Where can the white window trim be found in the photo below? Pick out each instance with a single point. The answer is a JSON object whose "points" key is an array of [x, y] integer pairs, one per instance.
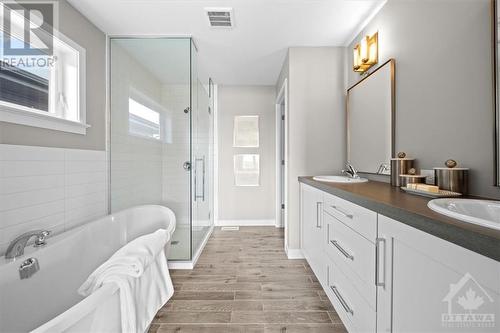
{"points": [[17, 114]]}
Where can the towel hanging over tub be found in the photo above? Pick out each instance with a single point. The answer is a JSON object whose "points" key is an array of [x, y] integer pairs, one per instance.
{"points": [[140, 271]]}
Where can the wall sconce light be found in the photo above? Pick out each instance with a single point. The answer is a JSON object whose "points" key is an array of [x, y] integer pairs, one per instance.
{"points": [[365, 53]]}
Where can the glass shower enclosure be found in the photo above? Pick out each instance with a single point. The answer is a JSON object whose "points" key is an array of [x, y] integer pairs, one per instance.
{"points": [[161, 135]]}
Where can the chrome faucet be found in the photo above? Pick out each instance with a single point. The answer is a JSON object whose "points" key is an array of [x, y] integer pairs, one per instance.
{"points": [[16, 247], [383, 169], [351, 171]]}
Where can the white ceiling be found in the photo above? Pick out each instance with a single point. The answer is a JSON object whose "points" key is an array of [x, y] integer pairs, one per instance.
{"points": [[254, 50]]}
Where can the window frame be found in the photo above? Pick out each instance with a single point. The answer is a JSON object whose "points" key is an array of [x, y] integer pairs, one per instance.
{"points": [[148, 102], [22, 115]]}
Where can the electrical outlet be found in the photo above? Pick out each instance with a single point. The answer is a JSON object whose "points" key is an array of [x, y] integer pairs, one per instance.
{"points": [[429, 176]]}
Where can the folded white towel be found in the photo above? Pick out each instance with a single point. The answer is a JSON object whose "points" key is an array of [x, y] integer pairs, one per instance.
{"points": [[151, 291], [140, 262], [130, 260]]}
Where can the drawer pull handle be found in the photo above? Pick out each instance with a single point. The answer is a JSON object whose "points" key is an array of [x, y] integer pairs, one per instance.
{"points": [[342, 250], [380, 262], [319, 214], [342, 300], [341, 212]]}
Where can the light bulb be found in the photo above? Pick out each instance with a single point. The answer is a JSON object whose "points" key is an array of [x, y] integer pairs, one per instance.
{"points": [[373, 54], [355, 61], [364, 49]]}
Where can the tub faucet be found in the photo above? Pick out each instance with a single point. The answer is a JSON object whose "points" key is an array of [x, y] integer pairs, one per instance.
{"points": [[351, 171], [16, 247]]}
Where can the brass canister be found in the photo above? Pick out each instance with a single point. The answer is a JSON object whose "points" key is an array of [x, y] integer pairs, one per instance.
{"points": [[400, 166], [404, 180], [452, 179]]}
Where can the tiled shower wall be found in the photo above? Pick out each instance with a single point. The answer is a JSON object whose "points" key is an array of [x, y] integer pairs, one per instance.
{"points": [[176, 151], [136, 162], [49, 188]]}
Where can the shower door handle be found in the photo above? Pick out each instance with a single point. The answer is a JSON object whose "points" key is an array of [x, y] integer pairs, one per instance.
{"points": [[203, 193], [195, 179], [196, 164]]}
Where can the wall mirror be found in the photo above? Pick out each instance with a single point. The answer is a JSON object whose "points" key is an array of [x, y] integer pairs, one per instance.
{"points": [[370, 121], [496, 78]]}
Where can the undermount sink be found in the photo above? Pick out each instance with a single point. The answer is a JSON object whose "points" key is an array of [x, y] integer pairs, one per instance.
{"points": [[480, 212], [340, 179]]}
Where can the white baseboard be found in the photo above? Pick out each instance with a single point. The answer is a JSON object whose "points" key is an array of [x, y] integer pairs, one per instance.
{"points": [[192, 263], [294, 253], [246, 223]]}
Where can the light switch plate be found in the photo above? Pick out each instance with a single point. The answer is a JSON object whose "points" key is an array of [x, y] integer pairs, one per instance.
{"points": [[429, 176]]}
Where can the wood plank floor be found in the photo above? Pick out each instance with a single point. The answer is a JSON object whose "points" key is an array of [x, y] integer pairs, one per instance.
{"points": [[243, 282]]}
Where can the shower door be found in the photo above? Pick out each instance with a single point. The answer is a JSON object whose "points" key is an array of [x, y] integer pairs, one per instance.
{"points": [[202, 152], [150, 129]]}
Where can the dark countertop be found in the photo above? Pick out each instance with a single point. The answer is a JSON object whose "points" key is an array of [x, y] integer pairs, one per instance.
{"points": [[412, 210]]}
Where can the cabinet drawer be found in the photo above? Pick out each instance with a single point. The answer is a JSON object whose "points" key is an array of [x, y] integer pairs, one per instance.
{"points": [[354, 311], [360, 219], [354, 255]]}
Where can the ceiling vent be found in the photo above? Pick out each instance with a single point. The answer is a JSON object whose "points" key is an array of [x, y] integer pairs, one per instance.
{"points": [[220, 17]]}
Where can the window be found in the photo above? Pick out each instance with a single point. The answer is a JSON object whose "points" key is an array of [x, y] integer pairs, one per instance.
{"points": [[246, 170], [143, 121], [45, 90], [246, 132], [147, 118]]}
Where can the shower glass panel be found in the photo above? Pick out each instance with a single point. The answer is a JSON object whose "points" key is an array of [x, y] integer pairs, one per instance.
{"points": [[202, 121], [154, 158]]}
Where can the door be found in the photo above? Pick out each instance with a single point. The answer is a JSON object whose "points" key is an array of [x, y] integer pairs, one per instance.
{"points": [[432, 285], [201, 156], [282, 166], [311, 221], [202, 128]]}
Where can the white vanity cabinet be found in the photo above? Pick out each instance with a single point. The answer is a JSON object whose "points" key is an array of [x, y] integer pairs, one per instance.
{"points": [[338, 241], [313, 235], [382, 275], [425, 281]]}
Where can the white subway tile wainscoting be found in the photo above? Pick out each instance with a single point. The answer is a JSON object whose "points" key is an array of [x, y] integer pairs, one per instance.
{"points": [[49, 188]]}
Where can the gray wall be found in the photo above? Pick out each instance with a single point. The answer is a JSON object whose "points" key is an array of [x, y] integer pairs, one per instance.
{"points": [[78, 28], [444, 90], [316, 121], [247, 203]]}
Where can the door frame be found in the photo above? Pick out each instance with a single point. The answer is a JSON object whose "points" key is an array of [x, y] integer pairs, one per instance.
{"points": [[282, 98]]}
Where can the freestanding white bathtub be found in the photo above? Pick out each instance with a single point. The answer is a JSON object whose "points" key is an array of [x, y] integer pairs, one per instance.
{"points": [[48, 301]]}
